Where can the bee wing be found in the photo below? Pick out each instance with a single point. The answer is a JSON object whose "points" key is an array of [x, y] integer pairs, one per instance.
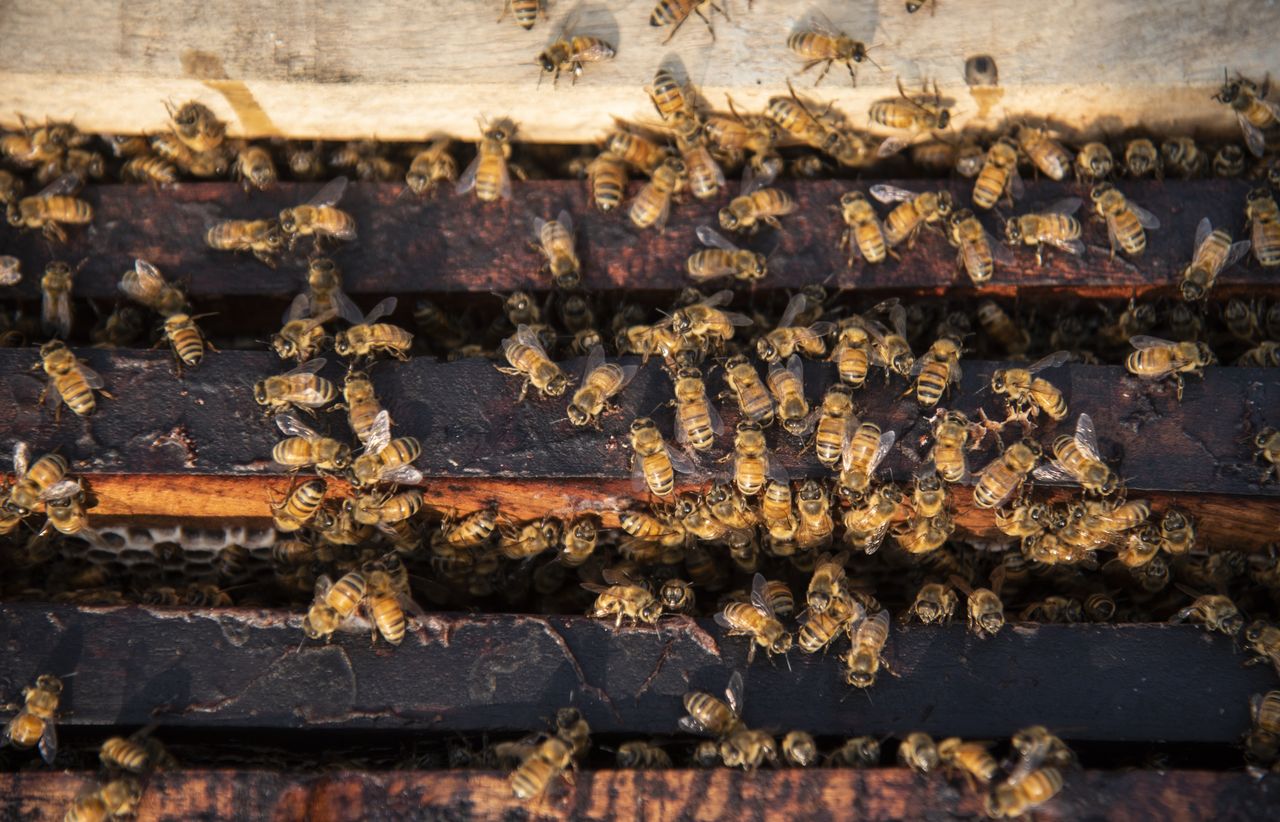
{"points": [[876, 538], [309, 367], [1069, 246], [1142, 341], [1237, 252], [717, 424], [794, 307], [66, 184], [751, 181], [1203, 229], [889, 147], [1253, 136], [891, 194], [614, 576], [760, 595], [330, 194], [55, 314], [379, 435], [628, 374], [1001, 253], [291, 426], [468, 179], [723, 297], [690, 725], [1086, 438], [898, 318], [886, 444], [723, 622], [796, 367], [323, 585], [566, 221], [595, 359], [664, 211], [817, 21], [710, 237], [775, 471], [382, 309], [60, 491], [1016, 189], [404, 475], [21, 459], [347, 309], [48, 745], [1146, 218], [1052, 361], [527, 336], [299, 308], [733, 693], [681, 461], [1053, 472], [638, 482], [141, 283], [538, 225], [1067, 206]]}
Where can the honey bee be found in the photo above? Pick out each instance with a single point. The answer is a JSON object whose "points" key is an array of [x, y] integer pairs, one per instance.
{"points": [[918, 752], [362, 406], [607, 180], [601, 382], [385, 509], [1182, 155], [914, 210], [488, 173], [756, 619], [776, 513], [526, 13], [1215, 611], [1268, 444], [387, 598], [261, 237], [751, 461], [652, 204], [642, 756], [654, 462], [1263, 216], [674, 12], [117, 799], [1156, 359], [255, 167], [978, 251], [305, 448], [794, 117], [430, 167], [1265, 354], [866, 656], [197, 126], [186, 339], [33, 726], [925, 112], [799, 749], [386, 460], [835, 424], [299, 387], [1253, 112], [1141, 157], [722, 258], [852, 351], [10, 270], [1054, 226], [1214, 252], [1005, 474], [790, 338], [814, 525], [318, 217], [756, 203], [529, 360], [324, 295], [37, 482], [1022, 519], [299, 507], [1075, 458], [998, 325], [145, 284], [970, 758], [754, 400], [936, 370], [865, 449], [70, 379], [935, 602], [1093, 163], [636, 150], [1022, 389], [998, 176], [622, 598], [826, 586], [866, 524], [51, 208], [1046, 153], [548, 761], [697, 423], [857, 752], [335, 604], [138, 753], [704, 324], [570, 51], [924, 535], [890, 349], [471, 530], [820, 42], [709, 715], [748, 749], [703, 174], [555, 240], [1036, 746], [863, 233], [55, 296], [786, 383], [1017, 798], [1228, 161], [1263, 640], [1125, 220], [369, 337]]}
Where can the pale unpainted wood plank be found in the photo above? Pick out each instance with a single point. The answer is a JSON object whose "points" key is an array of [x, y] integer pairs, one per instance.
{"points": [[401, 70]]}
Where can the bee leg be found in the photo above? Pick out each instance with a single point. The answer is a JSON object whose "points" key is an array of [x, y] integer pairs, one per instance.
{"points": [[1040, 254], [772, 222], [1180, 383], [707, 20]]}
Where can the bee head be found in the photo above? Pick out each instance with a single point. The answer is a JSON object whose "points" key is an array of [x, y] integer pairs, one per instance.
{"points": [[998, 381], [50, 683], [342, 343], [556, 386], [991, 622], [1207, 357], [782, 644], [641, 424], [577, 415], [728, 219], [1099, 191], [288, 222], [260, 392], [1263, 436], [1110, 485], [1254, 632], [1192, 290], [757, 268], [849, 198], [548, 65], [342, 457], [944, 118], [1013, 230], [766, 350], [651, 611], [14, 214], [568, 277], [945, 203], [1032, 446]]}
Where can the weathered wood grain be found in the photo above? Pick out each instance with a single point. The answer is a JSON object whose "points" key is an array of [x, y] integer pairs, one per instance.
{"points": [[199, 447], [242, 668], [452, 243], [715, 795], [402, 70]]}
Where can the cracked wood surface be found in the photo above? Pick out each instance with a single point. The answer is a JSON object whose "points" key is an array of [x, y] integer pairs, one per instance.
{"points": [[453, 243], [250, 668], [198, 447], [719, 794]]}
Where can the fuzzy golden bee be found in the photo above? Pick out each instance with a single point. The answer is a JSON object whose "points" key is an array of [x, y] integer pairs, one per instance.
{"points": [[1005, 474], [652, 204], [335, 604], [697, 422], [607, 180], [1156, 359], [1028, 393], [863, 234], [936, 370], [70, 380], [1126, 221], [1047, 154], [754, 400], [654, 463], [820, 43], [913, 211], [144, 284], [386, 460], [33, 726], [922, 112], [864, 450], [528, 359], [623, 599], [569, 52], [786, 384], [489, 173], [1214, 252], [866, 656], [1054, 226], [950, 439], [756, 619], [370, 337], [555, 239], [984, 607], [430, 167], [300, 506], [757, 202], [51, 209], [601, 382], [305, 448], [263, 238], [300, 387], [319, 216], [1075, 458], [721, 258], [1263, 216], [752, 464], [1093, 163], [674, 12]]}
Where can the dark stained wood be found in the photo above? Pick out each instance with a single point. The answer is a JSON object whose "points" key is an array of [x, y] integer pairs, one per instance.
{"points": [[714, 795], [242, 667], [451, 243], [199, 446]]}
